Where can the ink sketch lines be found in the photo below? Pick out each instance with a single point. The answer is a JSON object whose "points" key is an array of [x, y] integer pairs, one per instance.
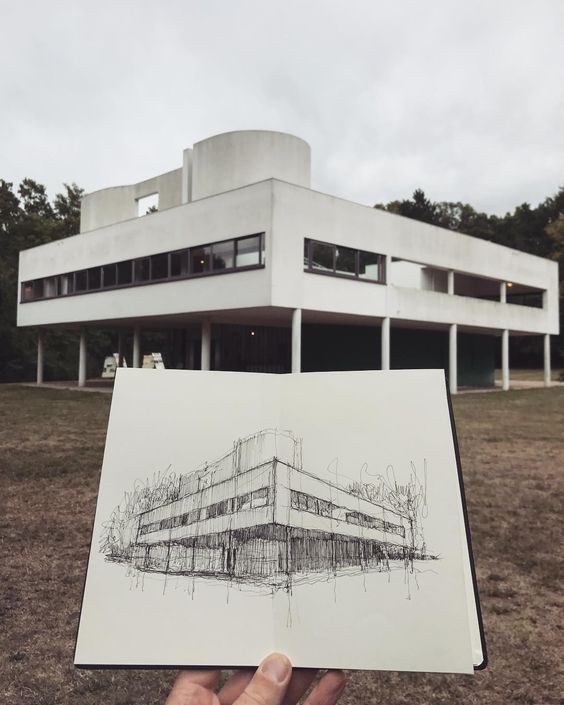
{"points": [[256, 516]]}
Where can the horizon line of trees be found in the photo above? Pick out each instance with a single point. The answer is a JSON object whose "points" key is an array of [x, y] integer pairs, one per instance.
{"points": [[28, 218]]}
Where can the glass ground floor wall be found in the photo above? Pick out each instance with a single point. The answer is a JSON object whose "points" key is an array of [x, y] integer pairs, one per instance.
{"points": [[243, 348], [331, 347]]}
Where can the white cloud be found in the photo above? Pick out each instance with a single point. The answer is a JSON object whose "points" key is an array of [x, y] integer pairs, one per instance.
{"points": [[465, 100]]}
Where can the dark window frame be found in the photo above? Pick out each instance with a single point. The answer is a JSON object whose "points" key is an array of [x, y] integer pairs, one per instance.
{"points": [[146, 282], [236, 242], [308, 265], [107, 266]]}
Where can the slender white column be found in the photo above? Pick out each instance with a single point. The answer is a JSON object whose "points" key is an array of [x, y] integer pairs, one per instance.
{"points": [[503, 292], [505, 360], [547, 371], [206, 345], [297, 340], [136, 347], [387, 269], [82, 359], [40, 356], [450, 282], [453, 358], [385, 344]]}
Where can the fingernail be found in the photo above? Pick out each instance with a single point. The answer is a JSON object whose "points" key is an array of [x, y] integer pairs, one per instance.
{"points": [[276, 667]]}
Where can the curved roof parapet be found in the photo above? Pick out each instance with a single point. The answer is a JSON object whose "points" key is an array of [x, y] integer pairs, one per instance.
{"points": [[221, 163], [234, 159]]}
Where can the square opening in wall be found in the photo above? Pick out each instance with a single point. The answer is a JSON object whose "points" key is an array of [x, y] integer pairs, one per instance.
{"points": [[148, 204]]}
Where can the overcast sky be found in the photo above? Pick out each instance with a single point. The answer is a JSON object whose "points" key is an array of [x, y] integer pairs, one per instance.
{"points": [[463, 99]]}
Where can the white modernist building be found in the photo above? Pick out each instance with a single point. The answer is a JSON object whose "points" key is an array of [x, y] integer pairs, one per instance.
{"points": [[253, 270]]}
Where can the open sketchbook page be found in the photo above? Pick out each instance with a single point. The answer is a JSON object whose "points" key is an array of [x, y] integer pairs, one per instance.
{"points": [[377, 447], [315, 514]]}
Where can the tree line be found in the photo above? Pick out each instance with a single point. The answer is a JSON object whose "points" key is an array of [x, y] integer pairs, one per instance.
{"points": [[29, 218]]}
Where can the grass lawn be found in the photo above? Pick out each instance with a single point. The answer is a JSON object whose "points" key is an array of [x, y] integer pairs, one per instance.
{"points": [[529, 375], [512, 447]]}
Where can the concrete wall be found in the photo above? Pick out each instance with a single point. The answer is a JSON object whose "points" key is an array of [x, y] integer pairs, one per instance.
{"points": [[236, 159], [288, 214], [119, 203], [233, 214], [300, 213]]}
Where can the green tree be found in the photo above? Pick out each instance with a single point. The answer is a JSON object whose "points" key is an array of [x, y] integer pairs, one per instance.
{"points": [[67, 209], [419, 207], [26, 220]]}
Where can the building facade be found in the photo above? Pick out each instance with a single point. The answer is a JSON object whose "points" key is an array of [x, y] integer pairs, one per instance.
{"points": [[255, 271], [256, 514]]}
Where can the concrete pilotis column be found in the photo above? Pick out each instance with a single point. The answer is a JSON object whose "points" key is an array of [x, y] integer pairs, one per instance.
{"points": [[206, 345], [40, 356], [453, 358], [136, 347], [387, 269], [503, 292], [547, 371], [82, 359], [385, 344], [505, 360], [297, 340], [450, 281]]}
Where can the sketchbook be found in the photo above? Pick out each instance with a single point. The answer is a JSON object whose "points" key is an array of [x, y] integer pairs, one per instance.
{"points": [[321, 515]]}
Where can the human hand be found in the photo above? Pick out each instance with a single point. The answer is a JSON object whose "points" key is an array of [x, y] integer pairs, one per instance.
{"points": [[273, 683]]}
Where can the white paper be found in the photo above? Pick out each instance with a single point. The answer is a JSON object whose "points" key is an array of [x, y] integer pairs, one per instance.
{"points": [[314, 514]]}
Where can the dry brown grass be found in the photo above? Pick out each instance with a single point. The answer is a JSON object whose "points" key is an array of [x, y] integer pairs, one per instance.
{"points": [[512, 447], [529, 375]]}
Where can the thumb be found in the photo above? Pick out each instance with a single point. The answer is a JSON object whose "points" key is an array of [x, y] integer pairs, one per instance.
{"points": [[268, 685]]}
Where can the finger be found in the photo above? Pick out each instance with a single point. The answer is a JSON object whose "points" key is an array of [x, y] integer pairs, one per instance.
{"points": [[301, 680], [328, 690], [234, 686], [269, 683], [194, 688]]}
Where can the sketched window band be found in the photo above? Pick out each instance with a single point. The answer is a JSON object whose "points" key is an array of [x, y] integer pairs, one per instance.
{"points": [[306, 503], [250, 500]]}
